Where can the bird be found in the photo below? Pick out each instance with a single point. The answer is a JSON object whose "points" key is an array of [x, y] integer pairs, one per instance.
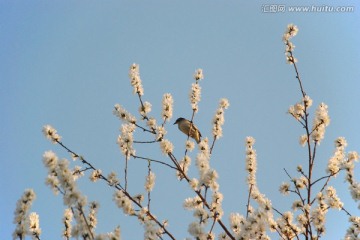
{"points": [[185, 125]]}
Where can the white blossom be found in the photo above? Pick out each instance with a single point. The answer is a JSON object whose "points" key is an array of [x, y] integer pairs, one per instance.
{"points": [[145, 109], [189, 145], [53, 182], [123, 115], [77, 172], [126, 139], [194, 184], [167, 107], [307, 101], [303, 140], [150, 182], [218, 119], [51, 133], [68, 216], [251, 164], [166, 146], [193, 203], [160, 132], [95, 175], [112, 178], [50, 161], [94, 206], [195, 96], [196, 230], [198, 75], [209, 178], [291, 31], [332, 199], [340, 142], [67, 183], [337, 160], [301, 182], [184, 164], [291, 59], [123, 202], [21, 212], [236, 222], [201, 214], [321, 121], [353, 156], [151, 123], [34, 226], [150, 230], [135, 80], [284, 188]]}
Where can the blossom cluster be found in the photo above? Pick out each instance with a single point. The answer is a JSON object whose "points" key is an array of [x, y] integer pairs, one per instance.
{"points": [[207, 180], [68, 216], [51, 133], [290, 32], [144, 109], [251, 164], [353, 231], [255, 225], [337, 160], [150, 182], [151, 229], [23, 221], [125, 140], [195, 93], [321, 121], [184, 165], [298, 110], [218, 119], [123, 202], [135, 79], [167, 107], [208, 176], [61, 179], [34, 226], [123, 115]]}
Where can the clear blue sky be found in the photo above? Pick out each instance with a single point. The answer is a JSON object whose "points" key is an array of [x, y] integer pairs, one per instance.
{"points": [[65, 63]]}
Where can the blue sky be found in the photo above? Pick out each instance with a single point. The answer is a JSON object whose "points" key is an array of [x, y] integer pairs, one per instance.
{"points": [[65, 63]]}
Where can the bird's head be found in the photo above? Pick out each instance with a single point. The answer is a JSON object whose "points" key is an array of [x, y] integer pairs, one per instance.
{"points": [[178, 120]]}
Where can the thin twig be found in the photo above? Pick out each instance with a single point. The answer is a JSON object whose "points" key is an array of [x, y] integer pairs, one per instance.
{"points": [[142, 106], [248, 201], [144, 129], [342, 208], [212, 145], [86, 222], [126, 179], [153, 160], [152, 141], [149, 196], [297, 190], [212, 225]]}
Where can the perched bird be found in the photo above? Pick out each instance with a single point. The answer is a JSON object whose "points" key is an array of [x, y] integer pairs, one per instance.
{"points": [[184, 125]]}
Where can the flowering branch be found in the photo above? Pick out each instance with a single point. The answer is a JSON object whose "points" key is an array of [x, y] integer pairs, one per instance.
{"points": [[207, 201], [111, 182]]}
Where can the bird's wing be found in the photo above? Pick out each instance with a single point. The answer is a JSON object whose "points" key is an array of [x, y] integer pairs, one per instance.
{"points": [[196, 129]]}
